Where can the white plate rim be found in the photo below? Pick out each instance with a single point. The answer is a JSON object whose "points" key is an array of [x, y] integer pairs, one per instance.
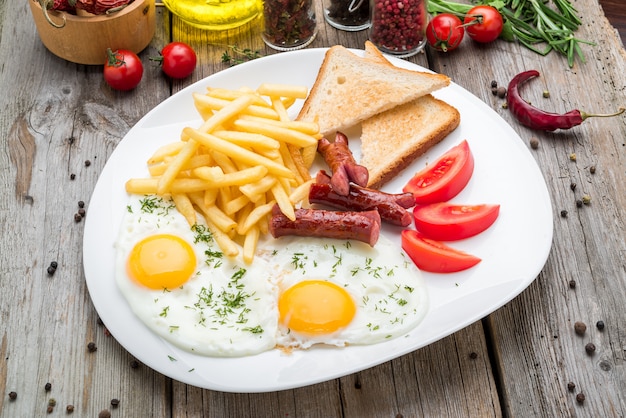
{"points": [[274, 370]]}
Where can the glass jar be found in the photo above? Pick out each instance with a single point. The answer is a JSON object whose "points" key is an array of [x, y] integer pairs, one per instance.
{"points": [[398, 27], [215, 14], [289, 24], [349, 15]]}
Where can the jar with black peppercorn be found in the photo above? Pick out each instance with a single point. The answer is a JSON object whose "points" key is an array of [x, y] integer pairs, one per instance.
{"points": [[348, 15], [289, 24], [398, 27]]}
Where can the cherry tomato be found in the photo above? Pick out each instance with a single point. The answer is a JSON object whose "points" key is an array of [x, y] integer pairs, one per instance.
{"points": [[178, 60], [434, 256], [445, 178], [445, 32], [450, 222], [123, 69], [483, 23]]}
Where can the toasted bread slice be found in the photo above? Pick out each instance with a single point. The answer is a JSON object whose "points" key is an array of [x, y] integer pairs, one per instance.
{"points": [[391, 140], [350, 89]]}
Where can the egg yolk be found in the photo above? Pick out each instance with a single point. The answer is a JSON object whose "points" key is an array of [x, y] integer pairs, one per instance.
{"points": [[161, 261], [316, 307]]}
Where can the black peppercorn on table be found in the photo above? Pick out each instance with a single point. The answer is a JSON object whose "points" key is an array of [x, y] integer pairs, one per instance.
{"points": [[557, 349]]}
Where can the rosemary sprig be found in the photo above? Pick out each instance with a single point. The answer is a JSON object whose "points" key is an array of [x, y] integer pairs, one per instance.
{"points": [[535, 24], [239, 55]]}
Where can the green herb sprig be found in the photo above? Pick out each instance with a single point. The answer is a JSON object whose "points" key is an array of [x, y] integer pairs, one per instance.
{"points": [[541, 26], [235, 55]]}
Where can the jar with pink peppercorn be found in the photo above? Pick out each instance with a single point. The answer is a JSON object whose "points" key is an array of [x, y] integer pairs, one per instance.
{"points": [[398, 27]]}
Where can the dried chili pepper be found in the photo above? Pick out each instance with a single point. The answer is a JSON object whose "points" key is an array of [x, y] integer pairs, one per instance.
{"points": [[535, 118]]}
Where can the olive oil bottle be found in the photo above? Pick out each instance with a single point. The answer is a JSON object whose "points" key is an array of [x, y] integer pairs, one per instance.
{"points": [[215, 14]]}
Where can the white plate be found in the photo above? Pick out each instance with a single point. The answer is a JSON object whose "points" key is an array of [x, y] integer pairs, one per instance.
{"points": [[513, 250]]}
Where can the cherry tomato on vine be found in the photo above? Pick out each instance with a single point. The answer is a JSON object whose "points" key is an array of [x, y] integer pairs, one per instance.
{"points": [[445, 32], [445, 178], [434, 256], [451, 222], [483, 23], [123, 69], [178, 60]]}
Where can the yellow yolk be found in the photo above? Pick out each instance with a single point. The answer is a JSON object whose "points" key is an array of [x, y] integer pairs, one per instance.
{"points": [[316, 307], [161, 261]]}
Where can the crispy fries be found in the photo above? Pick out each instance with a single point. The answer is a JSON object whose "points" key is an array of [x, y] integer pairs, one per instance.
{"points": [[245, 157]]}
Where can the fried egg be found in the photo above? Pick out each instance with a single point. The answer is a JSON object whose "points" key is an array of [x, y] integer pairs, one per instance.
{"points": [[297, 293], [342, 293], [178, 284]]}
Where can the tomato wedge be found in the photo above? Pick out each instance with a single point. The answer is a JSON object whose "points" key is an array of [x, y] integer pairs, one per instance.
{"points": [[451, 222], [434, 256], [445, 178]]}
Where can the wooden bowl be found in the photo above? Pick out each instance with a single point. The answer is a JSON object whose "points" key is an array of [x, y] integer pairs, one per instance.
{"points": [[85, 39]]}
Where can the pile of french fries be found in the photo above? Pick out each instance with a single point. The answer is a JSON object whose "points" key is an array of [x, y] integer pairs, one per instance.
{"points": [[247, 156]]}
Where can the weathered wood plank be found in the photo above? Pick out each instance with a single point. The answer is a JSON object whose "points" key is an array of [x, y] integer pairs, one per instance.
{"points": [[55, 117], [536, 349]]}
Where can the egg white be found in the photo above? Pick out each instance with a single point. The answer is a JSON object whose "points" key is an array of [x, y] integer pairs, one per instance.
{"points": [[387, 288], [230, 309], [227, 308]]}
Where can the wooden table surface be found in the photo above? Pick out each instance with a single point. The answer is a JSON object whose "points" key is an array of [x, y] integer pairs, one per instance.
{"points": [[518, 361]]}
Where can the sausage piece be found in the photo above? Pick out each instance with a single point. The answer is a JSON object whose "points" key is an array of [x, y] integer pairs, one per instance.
{"points": [[404, 199], [361, 199], [360, 226], [342, 164]]}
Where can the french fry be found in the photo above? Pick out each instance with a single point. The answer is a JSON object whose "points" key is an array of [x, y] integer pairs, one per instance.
{"points": [[239, 153], [250, 140], [210, 196], [280, 108], [283, 90], [256, 215], [166, 150], [301, 193], [230, 95], [283, 201], [278, 132], [210, 104], [241, 177], [290, 152], [308, 155], [223, 161], [221, 220], [226, 113], [288, 102], [211, 212], [166, 180], [142, 186], [227, 245], [245, 157], [189, 185], [235, 205], [287, 156], [254, 191], [214, 174], [308, 128], [250, 243], [185, 207], [194, 162]]}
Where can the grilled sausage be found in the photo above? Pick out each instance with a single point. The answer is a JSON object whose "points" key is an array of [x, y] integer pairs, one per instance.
{"points": [[361, 199], [360, 226], [405, 199], [342, 164]]}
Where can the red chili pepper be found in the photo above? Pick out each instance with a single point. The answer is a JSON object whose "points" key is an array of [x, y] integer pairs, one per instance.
{"points": [[535, 118]]}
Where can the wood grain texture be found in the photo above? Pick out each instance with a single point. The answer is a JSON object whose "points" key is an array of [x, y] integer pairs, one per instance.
{"points": [[516, 362], [536, 350], [615, 11]]}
